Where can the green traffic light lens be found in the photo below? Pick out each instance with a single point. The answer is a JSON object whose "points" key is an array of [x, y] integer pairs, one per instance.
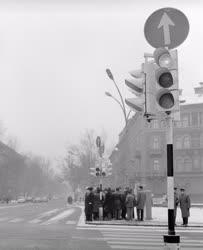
{"points": [[166, 80], [166, 101]]}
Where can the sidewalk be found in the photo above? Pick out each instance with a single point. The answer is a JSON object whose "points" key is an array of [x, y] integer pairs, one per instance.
{"points": [[160, 218]]}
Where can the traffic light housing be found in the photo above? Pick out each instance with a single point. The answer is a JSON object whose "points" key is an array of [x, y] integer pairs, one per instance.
{"points": [[166, 89], [98, 172], [137, 86]]}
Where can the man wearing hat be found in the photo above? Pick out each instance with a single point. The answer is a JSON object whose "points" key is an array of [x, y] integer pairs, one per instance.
{"points": [[176, 201], [184, 200], [89, 202], [141, 199]]}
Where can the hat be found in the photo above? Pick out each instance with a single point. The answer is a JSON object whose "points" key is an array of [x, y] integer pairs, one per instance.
{"points": [[182, 189], [140, 186], [175, 188], [90, 188]]}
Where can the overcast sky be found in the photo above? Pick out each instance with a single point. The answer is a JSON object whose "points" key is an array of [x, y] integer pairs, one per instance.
{"points": [[53, 56]]}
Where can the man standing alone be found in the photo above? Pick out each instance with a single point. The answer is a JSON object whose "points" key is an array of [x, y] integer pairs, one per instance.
{"points": [[141, 199], [176, 201], [184, 206]]}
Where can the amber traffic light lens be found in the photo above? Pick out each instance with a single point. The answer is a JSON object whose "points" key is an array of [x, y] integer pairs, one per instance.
{"points": [[166, 80]]}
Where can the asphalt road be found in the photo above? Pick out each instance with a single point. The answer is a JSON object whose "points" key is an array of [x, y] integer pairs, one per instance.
{"points": [[56, 226]]}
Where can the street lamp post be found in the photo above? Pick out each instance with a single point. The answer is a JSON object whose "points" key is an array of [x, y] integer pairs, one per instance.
{"points": [[121, 102]]}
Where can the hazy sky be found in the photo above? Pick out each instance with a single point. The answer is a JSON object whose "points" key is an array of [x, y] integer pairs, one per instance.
{"points": [[53, 56]]}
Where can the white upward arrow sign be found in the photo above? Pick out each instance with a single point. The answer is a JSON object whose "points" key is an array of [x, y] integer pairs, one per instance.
{"points": [[165, 22]]}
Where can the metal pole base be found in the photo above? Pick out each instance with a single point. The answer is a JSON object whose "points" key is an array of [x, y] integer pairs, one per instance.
{"points": [[100, 213], [171, 242]]}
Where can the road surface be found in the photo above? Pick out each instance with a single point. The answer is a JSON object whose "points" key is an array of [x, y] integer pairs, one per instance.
{"points": [[57, 226]]}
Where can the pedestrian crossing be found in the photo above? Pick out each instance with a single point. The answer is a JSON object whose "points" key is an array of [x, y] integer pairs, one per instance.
{"points": [[50, 217], [142, 237]]}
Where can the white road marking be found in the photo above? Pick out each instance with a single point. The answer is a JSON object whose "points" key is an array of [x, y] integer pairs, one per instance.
{"points": [[45, 214], [4, 218], [71, 222], [59, 217], [17, 220], [35, 221]]}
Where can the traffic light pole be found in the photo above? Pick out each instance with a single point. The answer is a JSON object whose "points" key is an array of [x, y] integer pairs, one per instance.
{"points": [[171, 239]]}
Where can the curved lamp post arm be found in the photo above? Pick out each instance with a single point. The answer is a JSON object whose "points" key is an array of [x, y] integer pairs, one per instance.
{"points": [[120, 106], [110, 75]]}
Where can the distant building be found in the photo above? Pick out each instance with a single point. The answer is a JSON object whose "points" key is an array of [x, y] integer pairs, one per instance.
{"points": [[141, 152]]}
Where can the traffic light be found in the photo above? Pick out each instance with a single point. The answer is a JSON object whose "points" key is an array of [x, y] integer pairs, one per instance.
{"points": [[103, 173], [137, 87], [166, 89], [98, 172]]}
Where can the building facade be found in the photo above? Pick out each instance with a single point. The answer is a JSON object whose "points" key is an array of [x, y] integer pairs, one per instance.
{"points": [[141, 152]]}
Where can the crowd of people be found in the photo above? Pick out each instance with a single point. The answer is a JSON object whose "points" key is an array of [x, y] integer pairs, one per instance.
{"points": [[115, 204]]}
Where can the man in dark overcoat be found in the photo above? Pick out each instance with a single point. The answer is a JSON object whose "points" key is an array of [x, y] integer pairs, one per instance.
{"points": [[141, 200], [117, 204], [97, 203], [184, 200], [108, 204], [89, 203]]}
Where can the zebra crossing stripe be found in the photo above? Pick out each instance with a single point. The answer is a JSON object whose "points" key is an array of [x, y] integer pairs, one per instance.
{"points": [[48, 213], [35, 221], [4, 219], [58, 217], [16, 220], [137, 248], [71, 222]]}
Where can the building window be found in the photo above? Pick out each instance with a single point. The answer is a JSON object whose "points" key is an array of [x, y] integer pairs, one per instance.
{"points": [[187, 164], [201, 140], [202, 163], [156, 165], [155, 124], [163, 124], [201, 118], [185, 120], [186, 141], [194, 119], [196, 162], [196, 141], [156, 142], [178, 142], [179, 164], [177, 124]]}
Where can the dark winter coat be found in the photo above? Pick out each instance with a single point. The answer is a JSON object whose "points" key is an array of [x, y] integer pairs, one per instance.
{"points": [[108, 202], [130, 200], [141, 199], [184, 200], [123, 199], [89, 203], [117, 200], [97, 202]]}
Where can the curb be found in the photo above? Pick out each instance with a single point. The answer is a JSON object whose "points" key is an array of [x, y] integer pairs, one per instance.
{"points": [[142, 224]]}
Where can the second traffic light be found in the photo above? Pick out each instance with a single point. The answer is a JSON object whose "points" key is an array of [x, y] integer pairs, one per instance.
{"points": [[137, 87]]}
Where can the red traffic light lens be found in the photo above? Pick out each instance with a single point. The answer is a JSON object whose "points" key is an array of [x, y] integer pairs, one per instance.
{"points": [[166, 80], [166, 100]]}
